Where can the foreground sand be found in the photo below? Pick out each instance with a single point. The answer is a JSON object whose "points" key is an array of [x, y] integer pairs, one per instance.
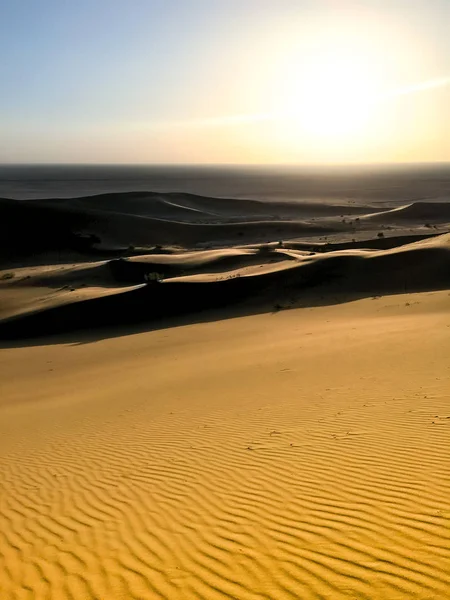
{"points": [[302, 454]]}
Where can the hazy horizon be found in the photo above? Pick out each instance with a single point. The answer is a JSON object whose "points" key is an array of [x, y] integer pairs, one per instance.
{"points": [[276, 181], [306, 165]]}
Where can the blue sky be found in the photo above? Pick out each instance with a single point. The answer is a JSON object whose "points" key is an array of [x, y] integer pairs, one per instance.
{"points": [[137, 81]]}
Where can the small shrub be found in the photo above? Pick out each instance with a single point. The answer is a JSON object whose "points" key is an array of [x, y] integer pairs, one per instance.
{"points": [[6, 276], [153, 277], [380, 234]]}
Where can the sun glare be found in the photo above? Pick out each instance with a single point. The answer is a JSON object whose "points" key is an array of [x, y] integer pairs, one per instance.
{"points": [[333, 95]]}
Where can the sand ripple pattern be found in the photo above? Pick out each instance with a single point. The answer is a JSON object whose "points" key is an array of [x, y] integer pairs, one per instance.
{"points": [[285, 497]]}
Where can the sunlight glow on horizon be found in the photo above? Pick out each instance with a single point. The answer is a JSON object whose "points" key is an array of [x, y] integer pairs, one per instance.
{"points": [[308, 81], [243, 119]]}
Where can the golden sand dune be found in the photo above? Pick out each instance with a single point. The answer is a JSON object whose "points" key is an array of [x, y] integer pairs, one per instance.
{"points": [[223, 446], [302, 454], [28, 290], [42, 300]]}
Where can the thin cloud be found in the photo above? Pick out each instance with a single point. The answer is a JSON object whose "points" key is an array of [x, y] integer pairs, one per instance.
{"points": [[245, 119], [418, 87]]}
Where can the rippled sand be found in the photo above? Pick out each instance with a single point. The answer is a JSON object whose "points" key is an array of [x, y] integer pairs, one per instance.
{"points": [[299, 454]]}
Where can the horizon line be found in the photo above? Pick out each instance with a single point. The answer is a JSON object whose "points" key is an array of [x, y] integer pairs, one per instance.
{"points": [[223, 164]]}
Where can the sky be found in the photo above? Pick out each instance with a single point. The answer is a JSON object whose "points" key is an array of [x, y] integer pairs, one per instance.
{"points": [[224, 81]]}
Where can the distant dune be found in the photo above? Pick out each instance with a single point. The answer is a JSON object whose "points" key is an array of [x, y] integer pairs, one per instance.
{"points": [[121, 221], [418, 212], [47, 225]]}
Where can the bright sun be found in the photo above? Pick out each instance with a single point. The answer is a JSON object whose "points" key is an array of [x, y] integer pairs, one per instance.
{"points": [[328, 94], [335, 96]]}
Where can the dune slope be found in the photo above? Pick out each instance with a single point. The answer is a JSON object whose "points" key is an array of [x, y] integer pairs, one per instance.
{"points": [[71, 297], [168, 429], [303, 454], [125, 220]]}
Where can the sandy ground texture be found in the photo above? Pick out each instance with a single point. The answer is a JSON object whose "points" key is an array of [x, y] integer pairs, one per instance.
{"points": [[210, 398], [297, 454]]}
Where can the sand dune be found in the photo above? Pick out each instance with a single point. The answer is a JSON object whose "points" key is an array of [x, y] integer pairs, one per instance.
{"points": [[39, 288], [431, 212], [145, 219], [299, 455], [209, 398], [122, 222], [62, 225], [256, 280], [191, 207]]}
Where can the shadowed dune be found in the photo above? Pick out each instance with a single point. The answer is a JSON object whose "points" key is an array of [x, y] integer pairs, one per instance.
{"points": [[268, 279], [425, 212], [114, 222], [69, 287], [191, 207], [38, 226]]}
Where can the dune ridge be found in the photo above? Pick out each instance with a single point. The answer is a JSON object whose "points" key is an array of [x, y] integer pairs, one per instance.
{"points": [[427, 212], [81, 262], [261, 279], [148, 218]]}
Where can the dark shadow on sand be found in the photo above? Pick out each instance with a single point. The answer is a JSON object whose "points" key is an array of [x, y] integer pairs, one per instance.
{"points": [[325, 280]]}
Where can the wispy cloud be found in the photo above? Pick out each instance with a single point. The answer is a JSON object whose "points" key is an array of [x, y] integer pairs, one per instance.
{"points": [[247, 119], [418, 87]]}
